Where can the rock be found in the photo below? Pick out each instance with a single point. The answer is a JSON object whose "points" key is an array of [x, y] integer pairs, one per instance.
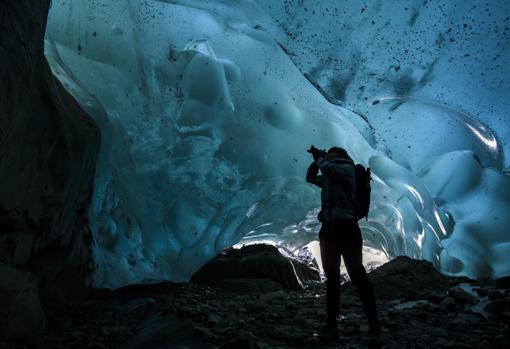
{"points": [[292, 335], [498, 306], [273, 296], [440, 332], [437, 309], [250, 286], [502, 341], [465, 319], [213, 319], [493, 295], [252, 262], [419, 304], [399, 279], [505, 316], [156, 331], [313, 340], [290, 306], [486, 281], [444, 343], [241, 343], [482, 292], [503, 282], [395, 302], [460, 296], [448, 303], [484, 344], [349, 329], [205, 316], [305, 272], [435, 297], [140, 305], [274, 316]]}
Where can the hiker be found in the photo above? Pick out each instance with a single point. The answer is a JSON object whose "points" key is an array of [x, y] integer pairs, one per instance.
{"points": [[340, 234]]}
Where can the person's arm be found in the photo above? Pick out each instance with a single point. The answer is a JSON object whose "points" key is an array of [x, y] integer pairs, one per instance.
{"points": [[335, 171], [311, 175]]}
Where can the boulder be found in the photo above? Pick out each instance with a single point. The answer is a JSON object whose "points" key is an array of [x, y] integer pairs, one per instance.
{"points": [[503, 282], [481, 292], [460, 296], [498, 306], [408, 279], [256, 262], [494, 294]]}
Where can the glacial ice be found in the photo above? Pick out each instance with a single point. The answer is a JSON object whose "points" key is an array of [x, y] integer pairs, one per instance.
{"points": [[454, 53], [205, 121]]}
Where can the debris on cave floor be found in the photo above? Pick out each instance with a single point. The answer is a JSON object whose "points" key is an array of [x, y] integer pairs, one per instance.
{"points": [[419, 308]]}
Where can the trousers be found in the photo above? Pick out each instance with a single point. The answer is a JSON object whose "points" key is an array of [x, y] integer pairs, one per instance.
{"points": [[343, 238]]}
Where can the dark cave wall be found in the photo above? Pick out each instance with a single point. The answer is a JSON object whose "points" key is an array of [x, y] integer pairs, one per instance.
{"points": [[48, 150]]}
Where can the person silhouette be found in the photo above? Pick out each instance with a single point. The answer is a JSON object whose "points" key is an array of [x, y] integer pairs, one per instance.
{"points": [[340, 235]]}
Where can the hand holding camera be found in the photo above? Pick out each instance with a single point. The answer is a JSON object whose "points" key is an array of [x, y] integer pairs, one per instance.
{"points": [[317, 153]]}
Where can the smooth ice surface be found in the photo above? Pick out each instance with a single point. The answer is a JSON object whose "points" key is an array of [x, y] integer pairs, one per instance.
{"points": [[205, 123]]}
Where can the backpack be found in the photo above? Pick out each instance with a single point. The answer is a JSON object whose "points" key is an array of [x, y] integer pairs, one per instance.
{"points": [[363, 190]]}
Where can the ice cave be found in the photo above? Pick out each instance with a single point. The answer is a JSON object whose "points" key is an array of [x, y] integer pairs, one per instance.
{"points": [[206, 109], [192, 120]]}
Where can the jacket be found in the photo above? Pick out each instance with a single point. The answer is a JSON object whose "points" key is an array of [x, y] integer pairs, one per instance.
{"points": [[338, 184]]}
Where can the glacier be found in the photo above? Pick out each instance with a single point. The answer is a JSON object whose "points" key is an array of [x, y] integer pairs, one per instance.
{"points": [[206, 110]]}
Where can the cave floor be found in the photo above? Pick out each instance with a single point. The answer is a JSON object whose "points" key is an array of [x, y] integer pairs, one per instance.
{"points": [[417, 310]]}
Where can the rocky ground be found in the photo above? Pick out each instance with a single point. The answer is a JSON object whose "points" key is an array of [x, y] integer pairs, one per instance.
{"points": [[419, 308]]}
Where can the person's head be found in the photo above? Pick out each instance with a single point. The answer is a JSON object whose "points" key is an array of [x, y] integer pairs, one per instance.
{"points": [[340, 152]]}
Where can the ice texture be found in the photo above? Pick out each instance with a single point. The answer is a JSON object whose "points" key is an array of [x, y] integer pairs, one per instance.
{"points": [[448, 52], [205, 120]]}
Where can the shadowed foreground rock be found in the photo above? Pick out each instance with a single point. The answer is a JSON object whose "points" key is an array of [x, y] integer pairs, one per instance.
{"points": [[48, 151], [419, 308]]}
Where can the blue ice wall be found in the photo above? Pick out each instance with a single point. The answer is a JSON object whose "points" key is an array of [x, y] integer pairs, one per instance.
{"points": [[206, 109], [453, 53]]}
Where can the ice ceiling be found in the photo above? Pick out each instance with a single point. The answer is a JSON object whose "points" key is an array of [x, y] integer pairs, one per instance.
{"points": [[206, 109]]}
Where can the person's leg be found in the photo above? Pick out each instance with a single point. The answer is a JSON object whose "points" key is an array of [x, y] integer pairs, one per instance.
{"points": [[330, 255], [351, 248]]}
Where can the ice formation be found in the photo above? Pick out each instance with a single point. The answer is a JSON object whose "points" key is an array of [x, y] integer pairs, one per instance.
{"points": [[449, 52], [205, 122]]}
